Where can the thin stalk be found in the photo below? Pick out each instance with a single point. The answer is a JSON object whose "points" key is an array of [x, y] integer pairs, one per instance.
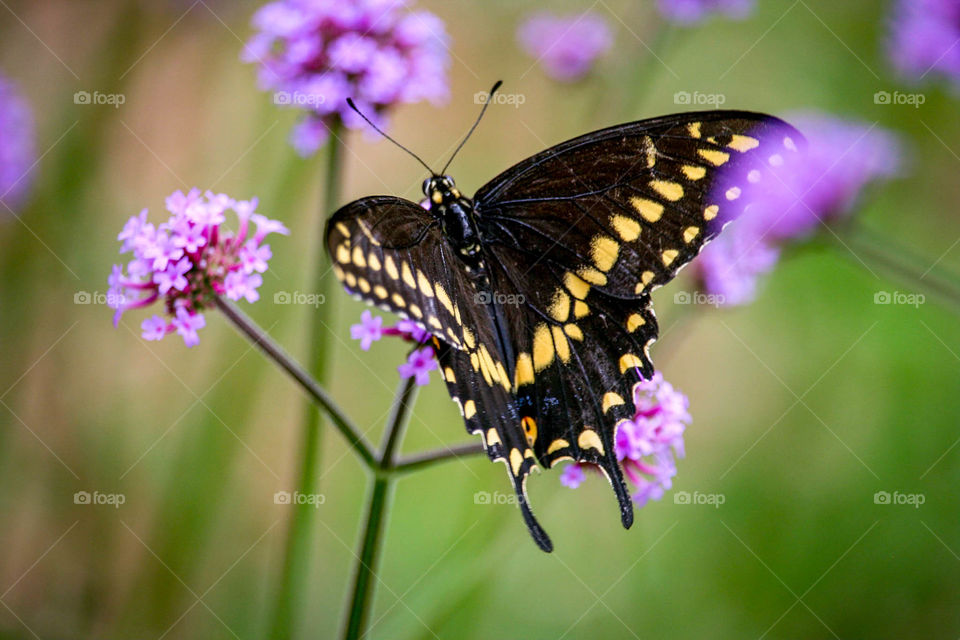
{"points": [[902, 264], [371, 542], [275, 352], [296, 567], [420, 461]]}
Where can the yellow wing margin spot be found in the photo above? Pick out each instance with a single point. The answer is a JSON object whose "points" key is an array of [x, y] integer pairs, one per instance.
{"points": [[556, 445], [590, 439], [629, 361], [610, 400], [743, 143]]}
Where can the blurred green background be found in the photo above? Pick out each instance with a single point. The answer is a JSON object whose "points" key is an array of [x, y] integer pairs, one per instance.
{"points": [[805, 403]]}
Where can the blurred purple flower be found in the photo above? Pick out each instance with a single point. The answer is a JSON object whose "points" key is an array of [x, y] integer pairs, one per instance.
{"points": [[419, 364], [17, 150], [925, 37], [790, 196], [647, 444], [188, 260], [368, 331], [566, 46], [690, 12], [314, 54]]}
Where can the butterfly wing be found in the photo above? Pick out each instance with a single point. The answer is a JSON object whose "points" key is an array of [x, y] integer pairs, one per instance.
{"points": [[581, 234]]}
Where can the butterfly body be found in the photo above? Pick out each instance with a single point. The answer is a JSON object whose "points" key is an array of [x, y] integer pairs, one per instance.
{"points": [[537, 290]]}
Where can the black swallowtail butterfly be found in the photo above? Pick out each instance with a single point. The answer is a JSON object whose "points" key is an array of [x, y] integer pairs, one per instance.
{"points": [[537, 290]]}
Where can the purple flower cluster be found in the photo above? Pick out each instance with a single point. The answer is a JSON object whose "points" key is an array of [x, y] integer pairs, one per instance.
{"points": [[690, 12], [17, 150], [315, 54], [791, 196], [566, 46], [925, 37], [419, 363], [646, 445], [189, 259]]}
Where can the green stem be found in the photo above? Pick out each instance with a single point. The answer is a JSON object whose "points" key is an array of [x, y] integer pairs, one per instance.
{"points": [[901, 263], [361, 598], [419, 461], [296, 567]]}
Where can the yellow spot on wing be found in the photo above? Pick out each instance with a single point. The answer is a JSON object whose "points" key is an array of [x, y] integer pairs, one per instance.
{"points": [[630, 361], [425, 287], [415, 311], [693, 172], [690, 233], [650, 210], [542, 348], [493, 437], [380, 291], [449, 375], [611, 399], [575, 285], [743, 143], [358, 257], [373, 261], [669, 256], [408, 275], [342, 228], [469, 409], [580, 309], [627, 228], [529, 428], [469, 338], [364, 285], [670, 190], [714, 157], [694, 129], [711, 212], [634, 322], [524, 373], [351, 280], [443, 297], [592, 276], [391, 267], [573, 331], [397, 299], [557, 444], [561, 344], [516, 460], [560, 307], [343, 254], [589, 439], [604, 250]]}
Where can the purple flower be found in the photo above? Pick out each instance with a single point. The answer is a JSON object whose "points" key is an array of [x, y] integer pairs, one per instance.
{"points": [[566, 46], [188, 260], [368, 331], [419, 365], [690, 12], [790, 196], [925, 37], [17, 148], [647, 444], [314, 54]]}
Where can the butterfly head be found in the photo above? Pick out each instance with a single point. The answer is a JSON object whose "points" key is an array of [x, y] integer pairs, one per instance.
{"points": [[455, 213], [440, 190]]}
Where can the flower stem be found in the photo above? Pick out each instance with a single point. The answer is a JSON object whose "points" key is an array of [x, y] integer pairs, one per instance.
{"points": [[371, 541], [418, 461], [319, 395], [902, 264], [296, 567]]}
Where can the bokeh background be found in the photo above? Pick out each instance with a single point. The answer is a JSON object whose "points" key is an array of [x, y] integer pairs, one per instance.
{"points": [[806, 403]]}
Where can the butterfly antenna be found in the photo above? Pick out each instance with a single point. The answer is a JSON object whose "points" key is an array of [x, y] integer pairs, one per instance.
{"points": [[381, 132], [467, 137]]}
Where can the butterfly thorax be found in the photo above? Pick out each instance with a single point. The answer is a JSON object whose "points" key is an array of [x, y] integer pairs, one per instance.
{"points": [[457, 217]]}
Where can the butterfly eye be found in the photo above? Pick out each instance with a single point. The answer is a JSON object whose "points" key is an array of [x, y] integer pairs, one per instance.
{"points": [[426, 186], [448, 182]]}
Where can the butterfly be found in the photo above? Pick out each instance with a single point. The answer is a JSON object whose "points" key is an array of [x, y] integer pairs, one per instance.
{"points": [[536, 291]]}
